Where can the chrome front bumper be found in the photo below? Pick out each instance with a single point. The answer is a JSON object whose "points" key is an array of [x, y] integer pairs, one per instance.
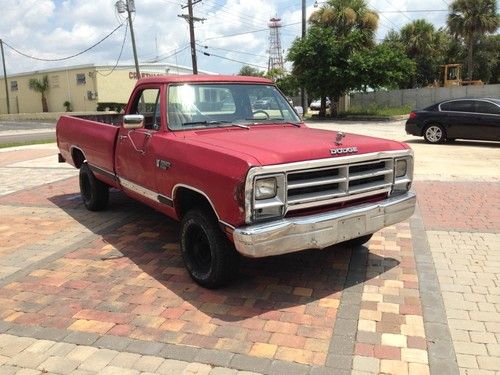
{"points": [[322, 230]]}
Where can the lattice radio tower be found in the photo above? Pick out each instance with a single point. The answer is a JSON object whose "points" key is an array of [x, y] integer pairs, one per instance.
{"points": [[275, 54]]}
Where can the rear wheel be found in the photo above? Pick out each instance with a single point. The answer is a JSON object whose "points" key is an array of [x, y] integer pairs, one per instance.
{"points": [[210, 258], [95, 194], [359, 241], [435, 134]]}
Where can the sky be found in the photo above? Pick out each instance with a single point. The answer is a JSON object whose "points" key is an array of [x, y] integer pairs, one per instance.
{"points": [[53, 29]]}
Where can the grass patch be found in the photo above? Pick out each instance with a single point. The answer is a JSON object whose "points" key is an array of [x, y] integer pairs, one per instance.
{"points": [[377, 111], [26, 143]]}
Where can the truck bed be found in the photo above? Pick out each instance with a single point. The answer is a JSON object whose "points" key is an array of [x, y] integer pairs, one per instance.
{"points": [[93, 135], [106, 118]]}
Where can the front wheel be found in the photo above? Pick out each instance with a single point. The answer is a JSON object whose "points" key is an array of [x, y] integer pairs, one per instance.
{"points": [[434, 134], [210, 258], [95, 194]]}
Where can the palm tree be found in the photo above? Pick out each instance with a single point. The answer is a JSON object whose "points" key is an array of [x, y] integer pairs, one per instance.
{"points": [[346, 19], [41, 86], [346, 16], [418, 38], [471, 19]]}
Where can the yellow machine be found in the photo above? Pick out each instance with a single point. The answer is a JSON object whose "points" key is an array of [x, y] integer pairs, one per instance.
{"points": [[452, 76]]}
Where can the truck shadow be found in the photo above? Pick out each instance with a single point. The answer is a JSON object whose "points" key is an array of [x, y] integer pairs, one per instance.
{"points": [[150, 241]]}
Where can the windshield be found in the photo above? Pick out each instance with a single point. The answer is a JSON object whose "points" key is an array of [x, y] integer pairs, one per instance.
{"points": [[218, 105]]}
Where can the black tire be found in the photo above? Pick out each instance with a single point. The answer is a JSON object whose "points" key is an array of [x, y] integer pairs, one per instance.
{"points": [[95, 193], [435, 133], [359, 241], [209, 257]]}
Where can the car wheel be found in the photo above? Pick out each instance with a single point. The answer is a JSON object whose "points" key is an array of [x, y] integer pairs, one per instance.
{"points": [[434, 134], [95, 193], [209, 257], [359, 241]]}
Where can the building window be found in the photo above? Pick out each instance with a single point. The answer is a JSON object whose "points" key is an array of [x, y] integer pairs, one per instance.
{"points": [[80, 79], [13, 86], [54, 80]]}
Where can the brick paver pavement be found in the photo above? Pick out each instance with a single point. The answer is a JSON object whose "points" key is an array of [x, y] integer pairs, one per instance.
{"points": [[84, 292], [463, 230]]}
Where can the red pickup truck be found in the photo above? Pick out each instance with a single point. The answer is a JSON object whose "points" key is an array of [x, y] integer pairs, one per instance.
{"points": [[241, 179]]}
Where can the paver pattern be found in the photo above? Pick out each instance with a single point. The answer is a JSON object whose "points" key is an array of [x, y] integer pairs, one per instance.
{"points": [[460, 206], [84, 292], [464, 236]]}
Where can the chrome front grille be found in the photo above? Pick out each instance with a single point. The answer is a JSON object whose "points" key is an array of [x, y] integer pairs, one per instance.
{"points": [[317, 187]]}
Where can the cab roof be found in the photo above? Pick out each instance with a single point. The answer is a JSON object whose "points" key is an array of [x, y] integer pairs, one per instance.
{"points": [[200, 78]]}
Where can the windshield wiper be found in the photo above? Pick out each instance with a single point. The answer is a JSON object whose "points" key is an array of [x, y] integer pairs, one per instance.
{"points": [[205, 122], [270, 120], [265, 119]]}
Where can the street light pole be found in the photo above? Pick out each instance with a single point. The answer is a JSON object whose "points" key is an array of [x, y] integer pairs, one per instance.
{"points": [[302, 90], [129, 12], [191, 37], [191, 20], [5, 77]]}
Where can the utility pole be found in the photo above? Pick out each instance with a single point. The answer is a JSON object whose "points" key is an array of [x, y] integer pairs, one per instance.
{"points": [[191, 20], [5, 77], [129, 7], [303, 101]]}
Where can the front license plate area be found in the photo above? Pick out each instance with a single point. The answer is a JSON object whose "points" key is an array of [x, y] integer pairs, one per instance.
{"points": [[351, 228]]}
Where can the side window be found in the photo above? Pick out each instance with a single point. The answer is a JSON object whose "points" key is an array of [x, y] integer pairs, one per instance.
{"points": [[458, 106], [147, 104], [486, 107]]}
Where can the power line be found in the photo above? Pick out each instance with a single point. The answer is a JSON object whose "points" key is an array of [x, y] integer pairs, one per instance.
{"points": [[238, 61], [232, 50], [413, 11], [399, 11], [222, 5], [176, 51], [67, 57], [119, 56], [248, 32]]}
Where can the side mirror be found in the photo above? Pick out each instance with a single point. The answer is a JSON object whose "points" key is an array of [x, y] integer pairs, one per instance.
{"points": [[299, 110], [133, 121]]}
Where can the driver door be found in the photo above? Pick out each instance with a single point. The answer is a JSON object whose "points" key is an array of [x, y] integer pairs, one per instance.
{"points": [[135, 160]]}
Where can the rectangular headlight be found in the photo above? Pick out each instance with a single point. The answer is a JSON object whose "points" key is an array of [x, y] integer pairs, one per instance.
{"points": [[400, 168], [265, 188]]}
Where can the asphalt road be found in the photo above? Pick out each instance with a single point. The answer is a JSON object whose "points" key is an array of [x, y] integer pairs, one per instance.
{"points": [[26, 131]]}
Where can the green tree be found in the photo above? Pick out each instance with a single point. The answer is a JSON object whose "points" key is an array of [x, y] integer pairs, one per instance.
{"points": [[487, 60], [425, 46], [344, 17], [471, 20], [288, 84], [380, 67], [42, 87], [248, 70], [329, 61], [321, 59]]}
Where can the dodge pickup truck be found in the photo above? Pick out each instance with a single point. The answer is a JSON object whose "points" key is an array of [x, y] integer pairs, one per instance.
{"points": [[241, 179]]}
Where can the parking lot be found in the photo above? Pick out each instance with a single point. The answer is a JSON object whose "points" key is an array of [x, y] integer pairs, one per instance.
{"points": [[86, 292]]}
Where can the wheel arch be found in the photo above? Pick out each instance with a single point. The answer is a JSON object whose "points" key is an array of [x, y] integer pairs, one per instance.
{"points": [[78, 156], [186, 197]]}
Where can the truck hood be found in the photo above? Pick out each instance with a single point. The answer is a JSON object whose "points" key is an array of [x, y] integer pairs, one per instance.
{"points": [[278, 144]]}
